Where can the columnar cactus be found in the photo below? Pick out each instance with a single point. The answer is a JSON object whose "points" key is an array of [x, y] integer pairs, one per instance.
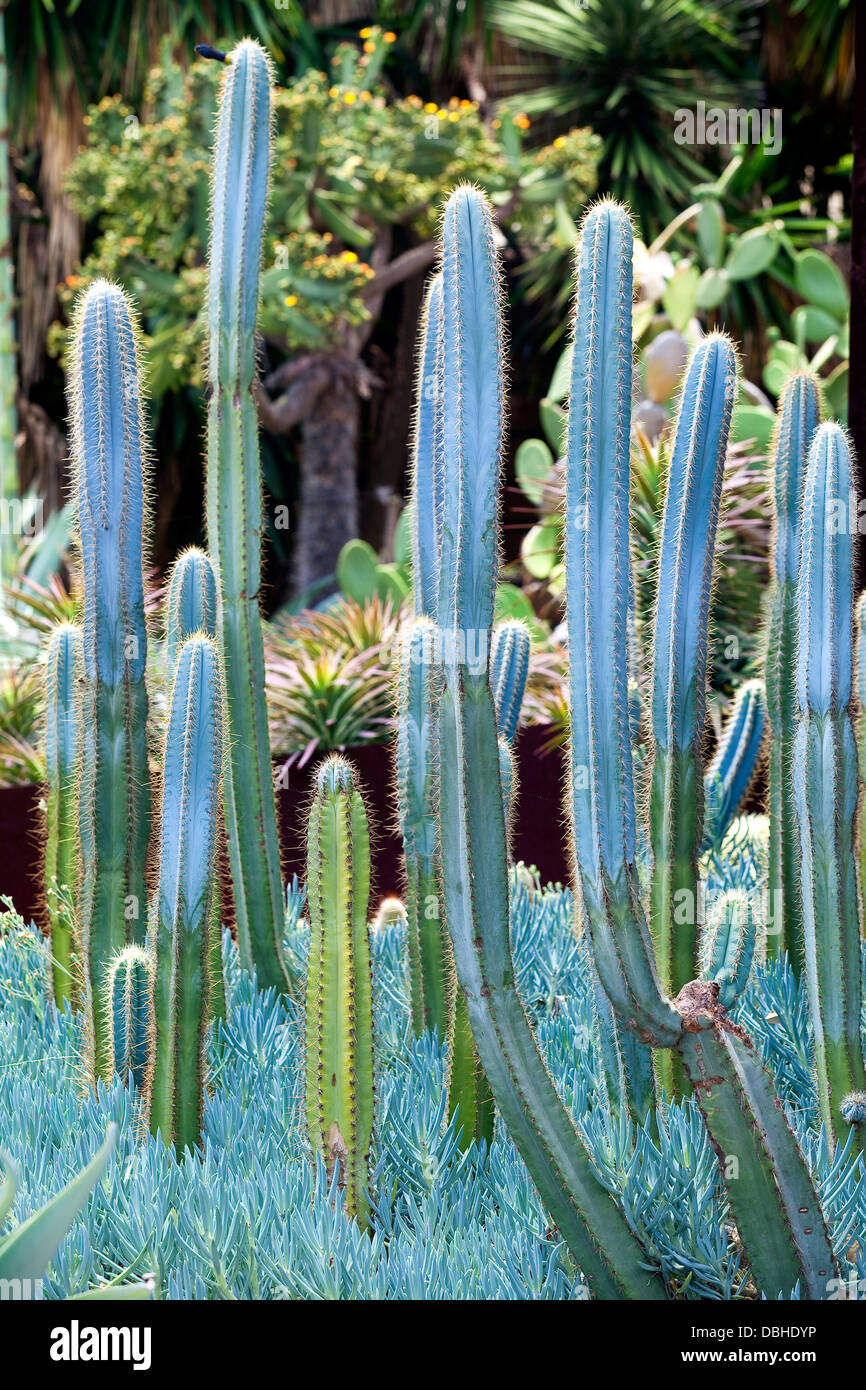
{"points": [[471, 813], [63, 746], [181, 929], [730, 774], [678, 704], [191, 607], [426, 457], [798, 418], [773, 1201], [509, 668], [825, 776], [191, 601], [128, 999], [339, 1005], [8, 419], [861, 733], [431, 965], [728, 945], [234, 504], [112, 513]]}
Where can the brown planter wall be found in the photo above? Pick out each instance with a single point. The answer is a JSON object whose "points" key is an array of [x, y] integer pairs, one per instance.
{"points": [[539, 832]]}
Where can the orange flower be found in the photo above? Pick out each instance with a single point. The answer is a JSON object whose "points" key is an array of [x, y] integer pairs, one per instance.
{"points": [[390, 37], [522, 121], [369, 47]]}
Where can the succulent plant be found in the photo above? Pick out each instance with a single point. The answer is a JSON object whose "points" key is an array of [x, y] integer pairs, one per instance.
{"points": [[63, 748]]}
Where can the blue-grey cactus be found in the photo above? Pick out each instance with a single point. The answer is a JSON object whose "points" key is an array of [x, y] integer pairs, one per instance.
{"points": [[860, 622], [471, 812], [735, 762], [181, 929], [129, 1002], [190, 608], [694, 490], [426, 457], [239, 197], [191, 601], [825, 773], [63, 747], [798, 418], [509, 668], [728, 945], [113, 517]]}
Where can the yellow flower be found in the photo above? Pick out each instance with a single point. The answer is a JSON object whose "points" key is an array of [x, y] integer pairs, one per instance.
{"points": [[333, 92], [431, 107], [349, 257], [454, 115], [364, 33], [291, 300], [390, 37], [349, 98], [559, 141]]}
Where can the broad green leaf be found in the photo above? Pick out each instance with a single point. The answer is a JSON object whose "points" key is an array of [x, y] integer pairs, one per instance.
{"points": [[532, 464], [711, 232], [554, 422], [27, 1252], [753, 422], [680, 297], [819, 281], [357, 566], [540, 549], [752, 253], [713, 289]]}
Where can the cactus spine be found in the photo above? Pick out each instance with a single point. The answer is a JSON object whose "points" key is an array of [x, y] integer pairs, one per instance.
{"points": [[799, 417], [114, 815], [128, 1000], [861, 735], [426, 457], [234, 503], [181, 931], [339, 1007], [680, 654], [730, 774], [825, 773], [191, 607], [63, 738], [8, 419]]}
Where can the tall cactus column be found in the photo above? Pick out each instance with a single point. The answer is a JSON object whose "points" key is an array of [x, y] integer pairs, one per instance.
{"points": [[339, 998], [234, 503], [182, 926], [799, 417], [826, 781], [114, 813], [680, 654]]}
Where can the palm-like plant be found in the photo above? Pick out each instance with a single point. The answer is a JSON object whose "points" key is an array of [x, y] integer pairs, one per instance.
{"points": [[625, 69]]}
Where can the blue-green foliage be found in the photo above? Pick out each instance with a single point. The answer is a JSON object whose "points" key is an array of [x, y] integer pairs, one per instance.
{"points": [[255, 1218]]}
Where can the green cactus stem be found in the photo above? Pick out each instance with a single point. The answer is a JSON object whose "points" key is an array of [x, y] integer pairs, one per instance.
{"points": [[63, 748], [339, 1007], [181, 931], [113, 518], [798, 418], [825, 774], [234, 504]]}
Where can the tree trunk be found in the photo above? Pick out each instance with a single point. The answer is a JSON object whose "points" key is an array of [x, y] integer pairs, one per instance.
{"points": [[329, 493]]}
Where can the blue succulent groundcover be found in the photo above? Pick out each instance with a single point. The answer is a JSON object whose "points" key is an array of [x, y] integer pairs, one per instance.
{"points": [[253, 1216]]}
